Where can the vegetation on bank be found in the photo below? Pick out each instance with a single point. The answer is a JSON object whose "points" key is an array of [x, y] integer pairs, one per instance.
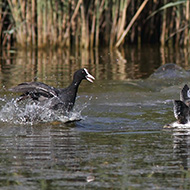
{"points": [[113, 23]]}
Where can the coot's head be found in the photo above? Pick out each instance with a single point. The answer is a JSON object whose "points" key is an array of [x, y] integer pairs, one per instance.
{"points": [[83, 74]]}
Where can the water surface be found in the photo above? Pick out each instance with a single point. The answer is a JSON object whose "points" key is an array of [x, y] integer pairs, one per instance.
{"points": [[120, 142]]}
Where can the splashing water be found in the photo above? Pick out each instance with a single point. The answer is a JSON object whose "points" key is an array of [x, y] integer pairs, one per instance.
{"points": [[177, 125], [32, 113]]}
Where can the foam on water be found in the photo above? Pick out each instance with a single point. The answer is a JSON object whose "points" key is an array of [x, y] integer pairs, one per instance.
{"points": [[32, 113], [178, 125]]}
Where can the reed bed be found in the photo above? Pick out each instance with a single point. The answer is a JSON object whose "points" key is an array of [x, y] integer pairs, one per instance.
{"points": [[87, 24]]}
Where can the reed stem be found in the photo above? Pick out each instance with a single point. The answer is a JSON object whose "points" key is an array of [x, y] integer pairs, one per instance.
{"points": [[93, 23]]}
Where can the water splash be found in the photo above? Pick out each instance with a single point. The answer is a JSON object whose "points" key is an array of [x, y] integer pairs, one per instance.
{"points": [[177, 125], [32, 113]]}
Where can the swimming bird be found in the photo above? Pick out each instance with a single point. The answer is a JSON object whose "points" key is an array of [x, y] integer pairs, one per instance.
{"points": [[182, 106], [54, 98]]}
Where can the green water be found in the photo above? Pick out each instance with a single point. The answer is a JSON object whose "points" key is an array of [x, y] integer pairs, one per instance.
{"points": [[120, 142]]}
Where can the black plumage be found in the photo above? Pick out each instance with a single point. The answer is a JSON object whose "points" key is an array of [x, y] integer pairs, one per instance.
{"points": [[182, 106], [53, 98]]}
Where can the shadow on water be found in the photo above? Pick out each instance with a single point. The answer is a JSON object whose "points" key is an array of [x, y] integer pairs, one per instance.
{"points": [[118, 144]]}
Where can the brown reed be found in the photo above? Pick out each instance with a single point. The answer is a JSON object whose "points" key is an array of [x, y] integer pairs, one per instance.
{"points": [[84, 24]]}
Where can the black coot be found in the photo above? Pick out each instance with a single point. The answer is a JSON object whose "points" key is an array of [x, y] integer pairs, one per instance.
{"points": [[53, 98], [182, 106]]}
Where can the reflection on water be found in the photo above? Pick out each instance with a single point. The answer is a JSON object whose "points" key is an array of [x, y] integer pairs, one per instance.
{"points": [[40, 155], [182, 146], [46, 66], [118, 144]]}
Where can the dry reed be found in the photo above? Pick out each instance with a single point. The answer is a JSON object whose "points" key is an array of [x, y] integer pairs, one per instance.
{"points": [[84, 24]]}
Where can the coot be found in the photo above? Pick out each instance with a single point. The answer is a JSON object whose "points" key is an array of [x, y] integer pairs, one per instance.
{"points": [[53, 98], [181, 107]]}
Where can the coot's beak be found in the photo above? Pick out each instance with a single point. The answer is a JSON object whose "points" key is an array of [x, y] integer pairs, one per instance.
{"points": [[89, 77]]}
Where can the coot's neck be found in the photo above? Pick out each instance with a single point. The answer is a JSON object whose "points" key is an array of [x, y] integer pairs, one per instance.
{"points": [[74, 85]]}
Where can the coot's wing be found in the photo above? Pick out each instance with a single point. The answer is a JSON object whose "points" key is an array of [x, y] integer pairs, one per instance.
{"points": [[181, 111], [35, 90]]}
